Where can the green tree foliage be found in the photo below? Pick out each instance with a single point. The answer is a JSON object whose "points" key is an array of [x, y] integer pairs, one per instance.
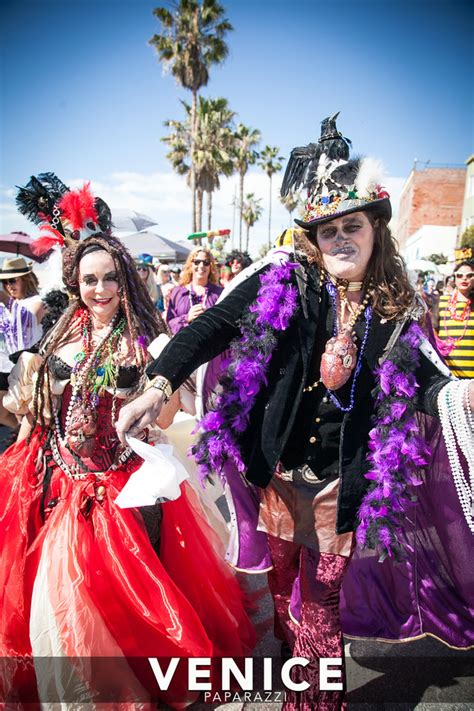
{"points": [[269, 161], [212, 149], [437, 258], [292, 201], [246, 139], [467, 238], [190, 42], [251, 213]]}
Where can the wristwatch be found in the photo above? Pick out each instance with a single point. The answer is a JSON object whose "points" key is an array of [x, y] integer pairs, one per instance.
{"points": [[163, 384]]}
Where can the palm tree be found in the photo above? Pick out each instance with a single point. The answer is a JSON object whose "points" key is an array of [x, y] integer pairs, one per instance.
{"points": [[252, 211], [212, 148], [270, 162], [213, 151], [192, 40], [291, 202], [245, 140]]}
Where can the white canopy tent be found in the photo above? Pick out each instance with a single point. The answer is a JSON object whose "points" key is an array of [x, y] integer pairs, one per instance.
{"points": [[146, 242]]}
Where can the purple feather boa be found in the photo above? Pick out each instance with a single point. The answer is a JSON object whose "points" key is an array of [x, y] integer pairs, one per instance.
{"points": [[271, 312], [396, 450]]}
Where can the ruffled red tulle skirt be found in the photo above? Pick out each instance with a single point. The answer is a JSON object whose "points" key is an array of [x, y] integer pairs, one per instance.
{"points": [[85, 599]]}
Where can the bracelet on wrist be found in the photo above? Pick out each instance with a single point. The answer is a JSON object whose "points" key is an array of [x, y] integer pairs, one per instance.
{"points": [[163, 384]]}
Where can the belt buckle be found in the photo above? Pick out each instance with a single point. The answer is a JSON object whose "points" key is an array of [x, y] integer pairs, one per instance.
{"points": [[308, 475]]}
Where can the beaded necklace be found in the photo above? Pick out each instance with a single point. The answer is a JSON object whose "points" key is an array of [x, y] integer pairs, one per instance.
{"points": [[91, 374], [340, 355], [457, 421], [363, 306], [452, 308]]}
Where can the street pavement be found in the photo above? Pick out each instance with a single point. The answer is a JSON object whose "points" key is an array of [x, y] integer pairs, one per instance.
{"points": [[424, 675]]}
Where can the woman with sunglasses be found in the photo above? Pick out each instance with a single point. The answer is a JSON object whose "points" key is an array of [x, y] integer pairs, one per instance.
{"points": [[21, 311], [456, 322], [199, 289]]}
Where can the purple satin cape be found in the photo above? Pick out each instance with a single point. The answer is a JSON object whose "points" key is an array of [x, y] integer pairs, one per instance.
{"points": [[430, 592]]}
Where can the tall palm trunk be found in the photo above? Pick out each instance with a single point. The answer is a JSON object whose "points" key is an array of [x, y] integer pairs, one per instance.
{"points": [[192, 171], [209, 209], [247, 238], [241, 208], [199, 200], [270, 215]]}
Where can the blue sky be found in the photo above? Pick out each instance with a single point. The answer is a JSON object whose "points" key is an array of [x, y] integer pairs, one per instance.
{"points": [[84, 95]]}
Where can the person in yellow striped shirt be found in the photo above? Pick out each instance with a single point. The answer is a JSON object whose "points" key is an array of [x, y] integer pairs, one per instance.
{"points": [[456, 322]]}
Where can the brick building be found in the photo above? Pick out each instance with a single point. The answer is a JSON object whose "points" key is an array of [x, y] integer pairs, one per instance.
{"points": [[432, 195]]}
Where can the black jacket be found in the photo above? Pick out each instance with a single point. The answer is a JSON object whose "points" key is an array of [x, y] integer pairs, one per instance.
{"points": [[276, 407]]}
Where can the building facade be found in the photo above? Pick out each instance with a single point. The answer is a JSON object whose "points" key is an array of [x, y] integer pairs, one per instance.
{"points": [[431, 196], [468, 205]]}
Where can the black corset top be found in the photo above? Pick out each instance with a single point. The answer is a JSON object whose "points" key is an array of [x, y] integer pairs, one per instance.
{"points": [[128, 374]]}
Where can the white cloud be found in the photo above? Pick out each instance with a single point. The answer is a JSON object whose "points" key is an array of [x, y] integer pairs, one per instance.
{"points": [[165, 197]]}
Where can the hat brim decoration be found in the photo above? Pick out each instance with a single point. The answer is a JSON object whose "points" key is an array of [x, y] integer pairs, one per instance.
{"points": [[343, 187], [336, 185]]}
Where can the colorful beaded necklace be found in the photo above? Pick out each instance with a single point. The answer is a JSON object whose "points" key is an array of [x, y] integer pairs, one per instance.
{"points": [[94, 370], [97, 367], [340, 356], [345, 339]]}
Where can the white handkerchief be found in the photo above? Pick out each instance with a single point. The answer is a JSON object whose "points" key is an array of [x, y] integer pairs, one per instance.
{"points": [[159, 476]]}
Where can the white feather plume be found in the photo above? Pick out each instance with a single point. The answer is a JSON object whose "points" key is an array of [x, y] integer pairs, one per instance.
{"points": [[371, 173], [323, 167]]}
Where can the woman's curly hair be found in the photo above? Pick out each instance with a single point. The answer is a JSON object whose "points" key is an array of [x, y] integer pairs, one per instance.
{"points": [[186, 276]]}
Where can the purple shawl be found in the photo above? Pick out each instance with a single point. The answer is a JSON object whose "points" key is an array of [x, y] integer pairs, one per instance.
{"points": [[180, 303]]}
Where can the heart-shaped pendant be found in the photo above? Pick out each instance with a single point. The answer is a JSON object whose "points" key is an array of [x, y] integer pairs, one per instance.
{"points": [[338, 360]]}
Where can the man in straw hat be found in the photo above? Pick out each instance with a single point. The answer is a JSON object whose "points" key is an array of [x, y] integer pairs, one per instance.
{"points": [[21, 311]]}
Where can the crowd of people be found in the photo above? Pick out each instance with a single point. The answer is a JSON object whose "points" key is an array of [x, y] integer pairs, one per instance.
{"points": [[334, 405]]}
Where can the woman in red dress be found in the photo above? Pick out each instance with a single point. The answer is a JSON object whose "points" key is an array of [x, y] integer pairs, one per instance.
{"points": [[89, 589]]}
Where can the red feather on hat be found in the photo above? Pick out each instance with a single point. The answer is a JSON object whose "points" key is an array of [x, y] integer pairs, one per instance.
{"points": [[49, 237], [77, 206]]}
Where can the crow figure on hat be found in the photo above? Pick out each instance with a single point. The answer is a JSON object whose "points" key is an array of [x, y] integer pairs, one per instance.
{"points": [[336, 185]]}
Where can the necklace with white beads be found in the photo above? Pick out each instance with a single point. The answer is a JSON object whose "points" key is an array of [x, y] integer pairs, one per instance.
{"points": [[79, 378], [457, 421]]}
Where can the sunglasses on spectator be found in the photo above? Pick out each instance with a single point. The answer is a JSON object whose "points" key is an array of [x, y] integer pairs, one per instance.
{"points": [[142, 269], [10, 281], [204, 262], [464, 276]]}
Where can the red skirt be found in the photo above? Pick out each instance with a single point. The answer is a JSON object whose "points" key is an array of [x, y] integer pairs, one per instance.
{"points": [[84, 582]]}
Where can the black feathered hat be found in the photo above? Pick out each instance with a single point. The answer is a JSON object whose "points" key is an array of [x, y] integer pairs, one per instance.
{"points": [[335, 184]]}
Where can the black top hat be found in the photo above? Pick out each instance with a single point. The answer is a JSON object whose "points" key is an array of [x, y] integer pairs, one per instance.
{"points": [[335, 184]]}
